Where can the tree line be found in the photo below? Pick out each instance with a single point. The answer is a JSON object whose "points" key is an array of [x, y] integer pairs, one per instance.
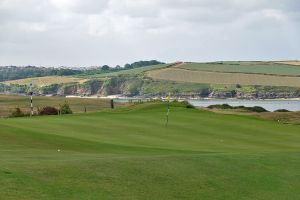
{"points": [[16, 72]]}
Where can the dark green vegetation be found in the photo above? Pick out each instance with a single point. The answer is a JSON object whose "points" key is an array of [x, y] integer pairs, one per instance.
{"points": [[131, 154], [9, 103], [241, 108], [14, 72]]}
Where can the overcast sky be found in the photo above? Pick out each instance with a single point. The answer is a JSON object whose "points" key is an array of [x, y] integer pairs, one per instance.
{"points": [[97, 32]]}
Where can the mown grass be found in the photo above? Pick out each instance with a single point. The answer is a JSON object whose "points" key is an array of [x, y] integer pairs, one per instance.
{"points": [[9, 102], [131, 154], [246, 67]]}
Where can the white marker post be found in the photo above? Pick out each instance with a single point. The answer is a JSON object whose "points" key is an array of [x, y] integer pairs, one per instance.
{"points": [[31, 104], [168, 112]]}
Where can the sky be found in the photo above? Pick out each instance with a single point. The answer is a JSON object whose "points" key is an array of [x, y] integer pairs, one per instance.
{"points": [[97, 32]]}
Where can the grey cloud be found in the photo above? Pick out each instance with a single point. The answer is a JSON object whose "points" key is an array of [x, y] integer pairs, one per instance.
{"points": [[94, 32]]}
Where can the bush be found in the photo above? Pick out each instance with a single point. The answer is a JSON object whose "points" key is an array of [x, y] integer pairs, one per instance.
{"points": [[65, 109], [282, 110], [17, 112], [48, 111], [220, 106], [187, 104], [226, 106], [257, 109]]}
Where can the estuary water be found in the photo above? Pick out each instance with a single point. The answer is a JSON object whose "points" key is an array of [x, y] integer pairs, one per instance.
{"points": [[270, 105]]}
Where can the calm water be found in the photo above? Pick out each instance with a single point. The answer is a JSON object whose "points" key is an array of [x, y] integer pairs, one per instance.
{"points": [[270, 105]]}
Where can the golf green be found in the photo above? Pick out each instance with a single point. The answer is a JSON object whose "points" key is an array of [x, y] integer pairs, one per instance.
{"points": [[131, 154]]}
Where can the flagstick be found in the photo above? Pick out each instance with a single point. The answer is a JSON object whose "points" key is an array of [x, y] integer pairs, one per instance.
{"points": [[168, 114]]}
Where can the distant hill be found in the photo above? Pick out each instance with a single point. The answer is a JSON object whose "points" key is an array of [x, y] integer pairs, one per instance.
{"points": [[250, 80], [230, 73], [15, 72]]}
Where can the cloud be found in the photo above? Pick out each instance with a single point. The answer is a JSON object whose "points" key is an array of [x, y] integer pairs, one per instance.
{"points": [[96, 32]]}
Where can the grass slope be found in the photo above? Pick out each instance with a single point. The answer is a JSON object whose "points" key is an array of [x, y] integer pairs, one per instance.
{"points": [[135, 71], [131, 154]]}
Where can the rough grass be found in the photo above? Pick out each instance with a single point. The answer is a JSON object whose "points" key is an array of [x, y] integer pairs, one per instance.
{"points": [[284, 117], [245, 67], [131, 154], [7, 103], [45, 81], [189, 76]]}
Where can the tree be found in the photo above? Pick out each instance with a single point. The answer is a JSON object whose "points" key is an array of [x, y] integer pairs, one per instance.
{"points": [[105, 67], [65, 109], [127, 66]]}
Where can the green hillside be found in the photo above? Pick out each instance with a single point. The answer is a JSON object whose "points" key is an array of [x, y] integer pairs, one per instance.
{"points": [[246, 67], [135, 71], [131, 154], [236, 79]]}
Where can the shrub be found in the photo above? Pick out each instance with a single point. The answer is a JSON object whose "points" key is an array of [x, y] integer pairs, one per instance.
{"points": [[48, 111], [17, 112], [220, 106], [282, 110], [187, 104], [257, 109], [226, 106], [65, 109]]}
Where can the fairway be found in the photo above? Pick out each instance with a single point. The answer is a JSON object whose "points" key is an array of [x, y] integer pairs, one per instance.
{"points": [[130, 154]]}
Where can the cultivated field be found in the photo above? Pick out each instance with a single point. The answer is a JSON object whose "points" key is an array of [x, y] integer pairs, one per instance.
{"points": [[245, 67], [8, 103], [131, 154], [295, 62], [197, 76], [47, 80]]}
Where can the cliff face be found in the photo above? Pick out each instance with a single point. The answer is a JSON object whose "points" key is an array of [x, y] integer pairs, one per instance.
{"points": [[138, 86]]}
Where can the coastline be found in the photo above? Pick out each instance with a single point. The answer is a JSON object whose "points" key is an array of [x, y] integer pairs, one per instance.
{"points": [[162, 98]]}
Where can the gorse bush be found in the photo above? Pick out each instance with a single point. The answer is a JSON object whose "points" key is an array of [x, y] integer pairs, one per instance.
{"points": [[220, 106], [257, 109], [282, 110], [187, 104], [17, 112], [48, 110]]}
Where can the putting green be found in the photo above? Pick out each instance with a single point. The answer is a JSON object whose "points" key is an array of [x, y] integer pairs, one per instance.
{"points": [[131, 154]]}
